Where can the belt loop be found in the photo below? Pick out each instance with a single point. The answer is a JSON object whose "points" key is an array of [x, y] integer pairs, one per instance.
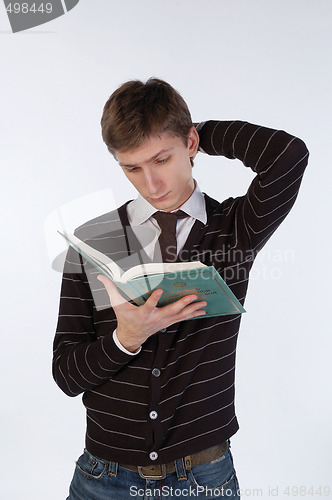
{"points": [[113, 468], [187, 462], [180, 469]]}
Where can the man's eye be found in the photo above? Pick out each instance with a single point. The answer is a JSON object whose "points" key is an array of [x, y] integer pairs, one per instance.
{"points": [[163, 160], [133, 169]]}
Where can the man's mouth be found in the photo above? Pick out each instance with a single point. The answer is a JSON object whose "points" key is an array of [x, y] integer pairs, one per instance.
{"points": [[161, 198]]}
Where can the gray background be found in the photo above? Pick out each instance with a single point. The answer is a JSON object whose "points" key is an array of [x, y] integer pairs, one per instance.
{"points": [[267, 62]]}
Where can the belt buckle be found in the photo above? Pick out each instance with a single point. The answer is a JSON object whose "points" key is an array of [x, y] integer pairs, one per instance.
{"points": [[162, 475]]}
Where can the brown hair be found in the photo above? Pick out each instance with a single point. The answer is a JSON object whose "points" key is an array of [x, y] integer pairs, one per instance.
{"points": [[137, 111]]}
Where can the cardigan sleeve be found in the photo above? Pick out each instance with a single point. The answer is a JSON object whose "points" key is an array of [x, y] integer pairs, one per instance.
{"points": [[279, 160], [81, 359]]}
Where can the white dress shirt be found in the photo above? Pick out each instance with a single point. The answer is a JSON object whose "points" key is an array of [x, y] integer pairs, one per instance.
{"points": [[140, 214]]}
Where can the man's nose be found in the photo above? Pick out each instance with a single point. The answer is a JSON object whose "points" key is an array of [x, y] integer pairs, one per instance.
{"points": [[153, 182]]}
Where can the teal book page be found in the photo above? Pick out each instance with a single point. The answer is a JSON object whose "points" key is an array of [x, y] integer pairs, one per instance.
{"points": [[205, 282]]}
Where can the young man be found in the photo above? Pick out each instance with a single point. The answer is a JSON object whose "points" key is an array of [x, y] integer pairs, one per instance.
{"points": [[159, 391]]}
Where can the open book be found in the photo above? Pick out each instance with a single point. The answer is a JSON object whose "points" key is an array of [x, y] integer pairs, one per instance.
{"points": [[175, 279]]}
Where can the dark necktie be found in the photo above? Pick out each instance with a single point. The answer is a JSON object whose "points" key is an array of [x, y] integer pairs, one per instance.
{"points": [[167, 239]]}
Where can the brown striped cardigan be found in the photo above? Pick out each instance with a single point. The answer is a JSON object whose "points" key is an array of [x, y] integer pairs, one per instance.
{"points": [[176, 397]]}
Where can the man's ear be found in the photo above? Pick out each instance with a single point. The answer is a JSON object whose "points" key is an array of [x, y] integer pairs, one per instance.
{"points": [[193, 142]]}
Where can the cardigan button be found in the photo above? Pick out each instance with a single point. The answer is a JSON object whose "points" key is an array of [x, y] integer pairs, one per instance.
{"points": [[153, 455], [153, 415], [156, 372]]}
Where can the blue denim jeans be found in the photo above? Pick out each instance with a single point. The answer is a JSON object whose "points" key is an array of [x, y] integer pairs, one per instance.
{"points": [[96, 479]]}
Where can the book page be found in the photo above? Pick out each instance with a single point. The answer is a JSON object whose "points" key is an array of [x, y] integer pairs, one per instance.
{"points": [[159, 268], [94, 256]]}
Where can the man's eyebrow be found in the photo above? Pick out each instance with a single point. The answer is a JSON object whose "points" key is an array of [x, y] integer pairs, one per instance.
{"points": [[151, 160]]}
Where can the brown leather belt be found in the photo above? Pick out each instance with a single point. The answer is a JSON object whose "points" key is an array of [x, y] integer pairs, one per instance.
{"points": [[159, 471]]}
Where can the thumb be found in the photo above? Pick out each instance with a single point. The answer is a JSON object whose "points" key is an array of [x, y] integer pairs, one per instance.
{"points": [[113, 293]]}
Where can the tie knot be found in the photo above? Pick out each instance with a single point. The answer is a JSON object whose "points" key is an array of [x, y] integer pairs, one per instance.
{"points": [[167, 220]]}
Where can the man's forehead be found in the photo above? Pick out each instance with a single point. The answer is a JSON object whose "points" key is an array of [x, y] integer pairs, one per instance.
{"points": [[149, 150]]}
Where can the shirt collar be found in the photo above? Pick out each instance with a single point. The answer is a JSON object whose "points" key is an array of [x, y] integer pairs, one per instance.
{"points": [[140, 210]]}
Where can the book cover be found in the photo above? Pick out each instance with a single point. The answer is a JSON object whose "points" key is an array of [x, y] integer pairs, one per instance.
{"points": [[205, 282]]}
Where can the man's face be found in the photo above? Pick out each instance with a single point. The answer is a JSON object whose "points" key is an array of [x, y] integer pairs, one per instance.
{"points": [[160, 169]]}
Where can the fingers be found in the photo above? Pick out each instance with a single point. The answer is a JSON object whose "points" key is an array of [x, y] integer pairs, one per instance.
{"points": [[114, 295], [184, 308], [153, 300], [189, 312], [192, 310], [177, 306]]}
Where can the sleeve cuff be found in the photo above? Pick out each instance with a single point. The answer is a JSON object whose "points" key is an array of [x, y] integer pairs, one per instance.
{"points": [[199, 128], [200, 125], [120, 346]]}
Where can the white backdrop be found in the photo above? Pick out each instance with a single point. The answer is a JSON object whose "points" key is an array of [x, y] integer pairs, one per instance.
{"points": [[267, 62]]}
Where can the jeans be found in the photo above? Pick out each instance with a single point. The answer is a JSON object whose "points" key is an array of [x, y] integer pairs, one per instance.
{"points": [[96, 479]]}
